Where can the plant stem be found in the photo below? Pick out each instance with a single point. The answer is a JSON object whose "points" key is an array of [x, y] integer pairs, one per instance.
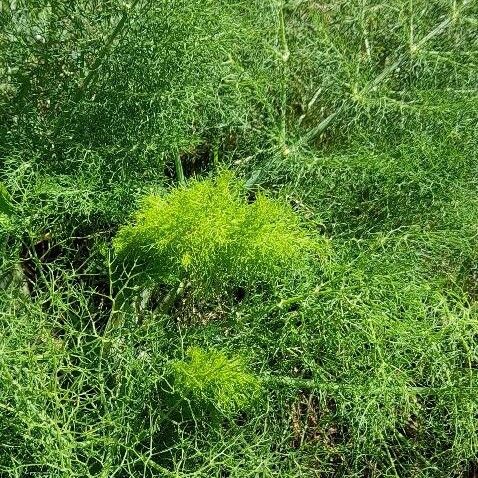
{"points": [[179, 170]]}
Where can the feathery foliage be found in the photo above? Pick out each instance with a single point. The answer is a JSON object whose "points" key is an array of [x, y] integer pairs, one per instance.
{"points": [[209, 379], [358, 117], [207, 234]]}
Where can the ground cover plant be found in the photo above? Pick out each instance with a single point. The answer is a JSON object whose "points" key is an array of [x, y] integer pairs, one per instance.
{"points": [[239, 238]]}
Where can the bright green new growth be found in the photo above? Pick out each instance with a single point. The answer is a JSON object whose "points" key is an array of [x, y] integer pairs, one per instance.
{"points": [[208, 235], [211, 378]]}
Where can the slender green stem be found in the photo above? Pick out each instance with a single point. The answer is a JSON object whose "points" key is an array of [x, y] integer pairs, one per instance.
{"points": [[179, 170], [285, 54]]}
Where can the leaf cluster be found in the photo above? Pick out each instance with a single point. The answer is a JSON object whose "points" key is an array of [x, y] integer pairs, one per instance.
{"points": [[207, 234], [210, 380]]}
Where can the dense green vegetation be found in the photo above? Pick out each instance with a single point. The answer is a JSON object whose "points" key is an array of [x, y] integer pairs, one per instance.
{"points": [[239, 239], [209, 237]]}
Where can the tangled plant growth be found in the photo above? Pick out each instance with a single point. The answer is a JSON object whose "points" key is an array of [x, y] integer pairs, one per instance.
{"points": [[116, 91], [358, 118]]}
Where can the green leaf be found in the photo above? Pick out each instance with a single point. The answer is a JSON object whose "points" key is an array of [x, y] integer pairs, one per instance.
{"points": [[5, 202]]}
